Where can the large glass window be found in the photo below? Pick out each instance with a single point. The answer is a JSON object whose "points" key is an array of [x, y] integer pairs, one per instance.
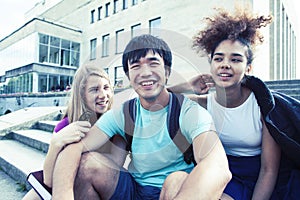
{"points": [[105, 45], [58, 51]]}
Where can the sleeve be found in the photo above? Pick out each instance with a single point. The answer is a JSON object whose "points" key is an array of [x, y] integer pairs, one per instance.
{"points": [[63, 123], [194, 120], [112, 122]]}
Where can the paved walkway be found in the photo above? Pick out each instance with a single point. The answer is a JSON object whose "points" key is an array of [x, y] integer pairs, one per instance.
{"points": [[9, 187]]}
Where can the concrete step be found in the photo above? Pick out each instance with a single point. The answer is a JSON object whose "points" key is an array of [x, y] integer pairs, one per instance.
{"points": [[18, 160], [45, 125], [34, 138]]}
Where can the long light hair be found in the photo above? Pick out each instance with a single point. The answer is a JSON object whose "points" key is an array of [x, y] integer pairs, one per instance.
{"points": [[77, 104]]}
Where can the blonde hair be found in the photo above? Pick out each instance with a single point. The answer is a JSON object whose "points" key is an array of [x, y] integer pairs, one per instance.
{"points": [[76, 104]]}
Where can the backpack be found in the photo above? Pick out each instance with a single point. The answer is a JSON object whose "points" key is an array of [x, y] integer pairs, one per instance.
{"points": [[176, 100]]}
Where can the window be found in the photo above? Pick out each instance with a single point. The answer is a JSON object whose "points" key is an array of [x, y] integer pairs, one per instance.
{"points": [[106, 70], [99, 13], [107, 9], [44, 39], [134, 2], [136, 30], [115, 6], [120, 41], [58, 51], [154, 26], [125, 4], [119, 76], [105, 45], [54, 50], [75, 49], [93, 46], [65, 52], [92, 16]]}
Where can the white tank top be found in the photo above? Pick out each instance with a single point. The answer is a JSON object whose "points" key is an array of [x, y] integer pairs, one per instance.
{"points": [[239, 128]]}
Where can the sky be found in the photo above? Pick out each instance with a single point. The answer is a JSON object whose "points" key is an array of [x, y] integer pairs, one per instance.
{"points": [[12, 15]]}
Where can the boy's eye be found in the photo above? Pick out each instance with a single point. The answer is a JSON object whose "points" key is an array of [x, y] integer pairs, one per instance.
{"points": [[153, 64], [218, 59], [236, 60], [134, 66]]}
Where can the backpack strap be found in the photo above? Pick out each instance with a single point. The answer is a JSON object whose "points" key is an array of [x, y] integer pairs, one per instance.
{"points": [[129, 111], [174, 129]]}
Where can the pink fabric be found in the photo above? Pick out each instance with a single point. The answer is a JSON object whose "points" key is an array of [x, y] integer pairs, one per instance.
{"points": [[63, 123]]}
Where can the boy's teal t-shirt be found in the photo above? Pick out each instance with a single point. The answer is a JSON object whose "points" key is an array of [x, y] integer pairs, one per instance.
{"points": [[154, 154]]}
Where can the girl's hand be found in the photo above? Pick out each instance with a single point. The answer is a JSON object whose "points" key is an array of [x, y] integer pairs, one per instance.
{"points": [[201, 83], [72, 133]]}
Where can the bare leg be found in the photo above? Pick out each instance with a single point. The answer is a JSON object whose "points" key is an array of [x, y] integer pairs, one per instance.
{"points": [[97, 177], [31, 195], [172, 185]]}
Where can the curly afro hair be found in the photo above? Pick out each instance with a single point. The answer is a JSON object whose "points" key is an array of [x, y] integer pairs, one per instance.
{"points": [[242, 25]]}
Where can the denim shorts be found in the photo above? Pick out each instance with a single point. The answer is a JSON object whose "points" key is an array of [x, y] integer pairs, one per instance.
{"points": [[129, 189]]}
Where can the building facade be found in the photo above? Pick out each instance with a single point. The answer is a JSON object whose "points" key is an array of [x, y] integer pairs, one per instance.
{"points": [[61, 35]]}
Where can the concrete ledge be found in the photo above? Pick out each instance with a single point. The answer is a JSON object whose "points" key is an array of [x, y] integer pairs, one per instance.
{"points": [[26, 118]]}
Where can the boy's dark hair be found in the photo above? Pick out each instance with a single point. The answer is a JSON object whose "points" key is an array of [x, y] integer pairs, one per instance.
{"points": [[139, 46]]}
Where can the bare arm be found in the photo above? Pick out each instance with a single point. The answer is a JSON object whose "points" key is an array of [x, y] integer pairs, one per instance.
{"points": [[69, 134], [211, 175], [68, 161], [199, 84], [270, 160]]}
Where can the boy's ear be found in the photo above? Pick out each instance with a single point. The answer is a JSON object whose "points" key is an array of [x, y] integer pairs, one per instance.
{"points": [[168, 71]]}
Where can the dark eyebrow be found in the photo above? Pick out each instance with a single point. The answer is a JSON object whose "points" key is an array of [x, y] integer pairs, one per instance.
{"points": [[218, 54], [237, 54], [234, 54], [152, 59]]}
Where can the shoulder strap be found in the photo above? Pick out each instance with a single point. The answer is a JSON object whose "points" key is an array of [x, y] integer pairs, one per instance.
{"points": [[129, 110], [174, 129]]}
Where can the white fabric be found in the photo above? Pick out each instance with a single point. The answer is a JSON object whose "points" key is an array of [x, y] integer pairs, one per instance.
{"points": [[239, 128]]}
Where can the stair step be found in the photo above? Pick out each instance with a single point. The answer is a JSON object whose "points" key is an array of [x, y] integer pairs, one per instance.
{"points": [[18, 160], [46, 125], [35, 138]]}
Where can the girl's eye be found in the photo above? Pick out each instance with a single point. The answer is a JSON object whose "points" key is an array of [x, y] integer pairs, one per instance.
{"points": [[93, 89]]}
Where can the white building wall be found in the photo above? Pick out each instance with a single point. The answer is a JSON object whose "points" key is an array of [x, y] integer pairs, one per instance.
{"points": [[16, 55]]}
